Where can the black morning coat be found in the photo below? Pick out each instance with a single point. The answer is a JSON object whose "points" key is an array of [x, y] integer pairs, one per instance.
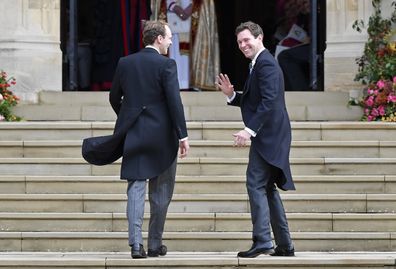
{"points": [[145, 95], [264, 111]]}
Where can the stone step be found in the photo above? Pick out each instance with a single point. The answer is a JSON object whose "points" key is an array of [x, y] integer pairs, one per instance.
{"points": [[330, 184], [200, 166], [194, 222], [198, 260], [94, 106], [210, 98], [194, 203], [193, 241], [201, 130], [209, 148], [63, 112]]}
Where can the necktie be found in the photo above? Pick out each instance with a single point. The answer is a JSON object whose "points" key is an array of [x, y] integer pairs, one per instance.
{"points": [[250, 67]]}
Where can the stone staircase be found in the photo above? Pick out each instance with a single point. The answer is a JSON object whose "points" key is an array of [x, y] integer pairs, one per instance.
{"points": [[57, 211]]}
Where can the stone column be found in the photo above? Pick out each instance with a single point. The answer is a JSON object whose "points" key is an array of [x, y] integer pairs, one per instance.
{"points": [[30, 45], [344, 44]]}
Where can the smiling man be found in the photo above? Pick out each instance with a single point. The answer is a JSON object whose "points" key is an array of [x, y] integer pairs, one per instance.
{"points": [[267, 125]]}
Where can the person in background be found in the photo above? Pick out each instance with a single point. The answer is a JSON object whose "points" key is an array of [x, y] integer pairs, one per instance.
{"points": [[179, 19], [197, 51], [294, 39]]}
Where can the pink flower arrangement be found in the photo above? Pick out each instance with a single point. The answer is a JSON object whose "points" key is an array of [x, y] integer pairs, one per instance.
{"points": [[7, 98], [379, 104]]}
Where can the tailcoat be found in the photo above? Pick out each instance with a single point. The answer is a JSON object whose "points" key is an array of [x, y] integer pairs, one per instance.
{"points": [[145, 96], [264, 111]]}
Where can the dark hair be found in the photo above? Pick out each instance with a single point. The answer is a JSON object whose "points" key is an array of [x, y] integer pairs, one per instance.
{"points": [[151, 30], [254, 28]]}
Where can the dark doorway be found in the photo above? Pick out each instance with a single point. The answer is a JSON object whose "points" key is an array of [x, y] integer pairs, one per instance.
{"points": [[77, 35], [94, 35], [110, 44]]}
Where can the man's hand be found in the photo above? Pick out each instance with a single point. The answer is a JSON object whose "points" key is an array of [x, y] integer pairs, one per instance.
{"points": [[183, 148], [241, 138], [223, 83]]}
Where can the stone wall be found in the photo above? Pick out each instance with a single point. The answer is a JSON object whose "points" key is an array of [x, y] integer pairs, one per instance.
{"points": [[344, 44], [30, 45]]}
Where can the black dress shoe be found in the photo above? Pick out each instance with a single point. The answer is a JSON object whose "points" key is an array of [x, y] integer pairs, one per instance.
{"points": [[283, 252], [138, 252], [254, 252], [161, 251]]}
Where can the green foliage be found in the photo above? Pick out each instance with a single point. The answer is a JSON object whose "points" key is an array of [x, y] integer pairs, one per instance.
{"points": [[7, 98], [379, 57]]}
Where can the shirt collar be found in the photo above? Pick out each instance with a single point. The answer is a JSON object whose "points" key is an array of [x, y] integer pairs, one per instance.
{"points": [[152, 47], [255, 57]]}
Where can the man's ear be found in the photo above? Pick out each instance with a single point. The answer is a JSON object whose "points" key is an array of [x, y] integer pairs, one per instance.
{"points": [[160, 38]]}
